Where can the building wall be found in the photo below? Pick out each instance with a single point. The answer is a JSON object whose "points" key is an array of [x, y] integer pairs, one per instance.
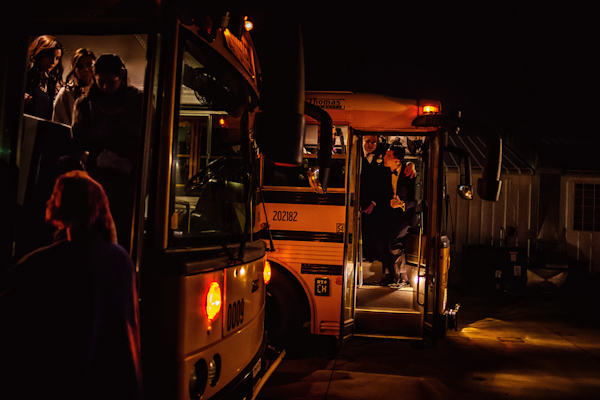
{"points": [[518, 219], [510, 222], [582, 246]]}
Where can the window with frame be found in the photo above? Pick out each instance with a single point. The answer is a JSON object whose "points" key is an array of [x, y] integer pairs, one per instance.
{"points": [[210, 173], [586, 207]]}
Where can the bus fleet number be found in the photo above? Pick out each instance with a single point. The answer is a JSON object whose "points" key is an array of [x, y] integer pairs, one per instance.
{"points": [[285, 216], [235, 314]]}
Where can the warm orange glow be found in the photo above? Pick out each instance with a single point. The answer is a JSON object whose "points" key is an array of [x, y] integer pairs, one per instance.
{"points": [[267, 273], [248, 24], [431, 109], [213, 301], [222, 122]]}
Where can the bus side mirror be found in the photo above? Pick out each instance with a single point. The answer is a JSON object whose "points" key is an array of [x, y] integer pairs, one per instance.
{"points": [[279, 127], [465, 184], [489, 185]]}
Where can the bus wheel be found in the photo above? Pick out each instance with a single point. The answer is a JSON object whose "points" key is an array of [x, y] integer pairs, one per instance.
{"points": [[286, 310]]}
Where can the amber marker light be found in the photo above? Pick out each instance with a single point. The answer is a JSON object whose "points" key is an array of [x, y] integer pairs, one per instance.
{"points": [[431, 109], [213, 301], [267, 272], [248, 24]]}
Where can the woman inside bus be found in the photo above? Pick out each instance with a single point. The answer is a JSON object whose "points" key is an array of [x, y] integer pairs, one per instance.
{"points": [[69, 311], [44, 76], [106, 133], [79, 81]]}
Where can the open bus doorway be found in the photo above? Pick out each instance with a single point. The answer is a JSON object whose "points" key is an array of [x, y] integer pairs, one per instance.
{"points": [[384, 308]]}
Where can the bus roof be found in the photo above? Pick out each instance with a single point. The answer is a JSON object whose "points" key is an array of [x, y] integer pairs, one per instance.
{"points": [[371, 112]]}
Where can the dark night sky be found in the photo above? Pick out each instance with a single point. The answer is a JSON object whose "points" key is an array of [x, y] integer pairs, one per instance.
{"points": [[526, 69]]}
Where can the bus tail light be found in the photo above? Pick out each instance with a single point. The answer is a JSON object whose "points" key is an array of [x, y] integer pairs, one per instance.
{"points": [[213, 301], [267, 272]]}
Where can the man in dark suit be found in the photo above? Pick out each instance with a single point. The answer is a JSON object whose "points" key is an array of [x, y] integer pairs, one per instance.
{"points": [[398, 214], [373, 196]]}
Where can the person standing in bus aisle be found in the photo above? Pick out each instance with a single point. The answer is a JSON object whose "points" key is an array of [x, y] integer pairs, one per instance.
{"points": [[107, 136], [79, 81], [70, 309], [373, 176], [401, 208], [44, 76]]}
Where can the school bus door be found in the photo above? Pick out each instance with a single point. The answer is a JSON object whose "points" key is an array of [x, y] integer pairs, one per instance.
{"points": [[352, 259]]}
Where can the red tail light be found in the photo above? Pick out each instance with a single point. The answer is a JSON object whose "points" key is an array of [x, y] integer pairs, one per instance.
{"points": [[213, 301]]}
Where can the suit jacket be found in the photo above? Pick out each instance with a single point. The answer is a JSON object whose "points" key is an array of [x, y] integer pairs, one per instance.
{"points": [[374, 178]]}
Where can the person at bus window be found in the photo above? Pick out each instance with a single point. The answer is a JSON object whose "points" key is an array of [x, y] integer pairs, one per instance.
{"points": [[44, 76], [79, 80], [106, 134], [70, 309], [399, 213]]}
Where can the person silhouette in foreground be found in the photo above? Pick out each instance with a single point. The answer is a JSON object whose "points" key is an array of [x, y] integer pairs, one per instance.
{"points": [[69, 311]]}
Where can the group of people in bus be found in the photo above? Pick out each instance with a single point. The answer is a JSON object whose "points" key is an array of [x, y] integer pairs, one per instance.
{"points": [[387, 200], [69, 310], [103, 111]]}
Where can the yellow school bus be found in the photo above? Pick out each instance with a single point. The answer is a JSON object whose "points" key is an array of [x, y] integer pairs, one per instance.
{"points": [[311, 220], [201, 269]]}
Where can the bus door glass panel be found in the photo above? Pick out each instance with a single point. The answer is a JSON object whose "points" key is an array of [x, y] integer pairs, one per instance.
{"points": [[351, 242], [208, 170]]}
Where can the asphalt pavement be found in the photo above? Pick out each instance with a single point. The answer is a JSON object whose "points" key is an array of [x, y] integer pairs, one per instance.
{"points": [[529, 345]]}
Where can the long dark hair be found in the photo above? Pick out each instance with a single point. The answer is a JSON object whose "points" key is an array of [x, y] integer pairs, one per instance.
{"points": [[40, 47], [79, 54]]}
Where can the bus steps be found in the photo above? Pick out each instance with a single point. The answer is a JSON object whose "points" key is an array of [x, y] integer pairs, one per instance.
{"points": [[385, 312], [388, 322], [371, 296]]}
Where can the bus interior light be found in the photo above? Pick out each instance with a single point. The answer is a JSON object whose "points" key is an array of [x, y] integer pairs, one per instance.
{"points": [[267, 272], [213, 301]]}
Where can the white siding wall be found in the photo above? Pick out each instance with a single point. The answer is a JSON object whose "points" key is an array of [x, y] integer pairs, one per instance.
{"points": [[583, 246], [486, 222]]}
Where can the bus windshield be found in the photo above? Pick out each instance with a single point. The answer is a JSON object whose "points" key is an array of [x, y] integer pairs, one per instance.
{"points": [[208, 168]]}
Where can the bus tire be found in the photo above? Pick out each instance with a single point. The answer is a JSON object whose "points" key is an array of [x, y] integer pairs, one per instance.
{"points": [[287, 309]]}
